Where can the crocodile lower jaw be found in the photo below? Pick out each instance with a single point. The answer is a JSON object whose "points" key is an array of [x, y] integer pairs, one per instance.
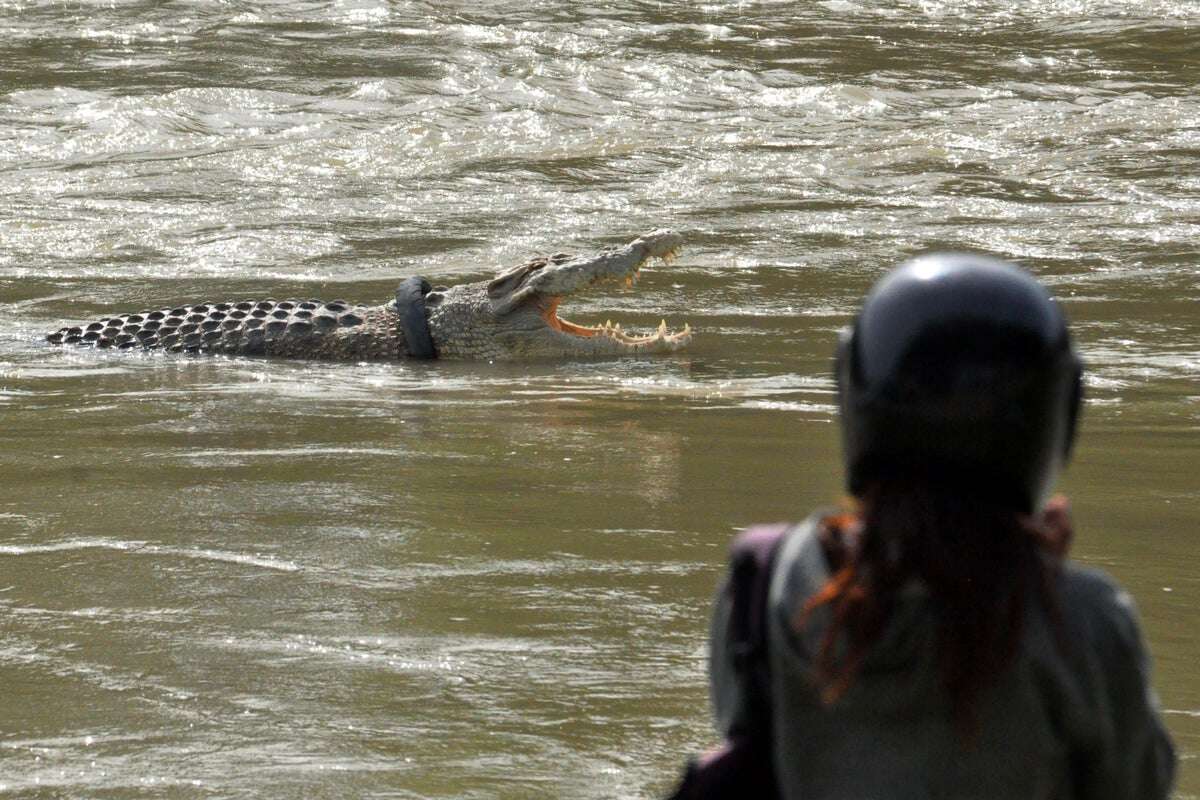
{"points": [[614, 331]]}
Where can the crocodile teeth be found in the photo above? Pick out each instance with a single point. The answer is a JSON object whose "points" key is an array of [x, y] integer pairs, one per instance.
{"points": [[659, 334]]}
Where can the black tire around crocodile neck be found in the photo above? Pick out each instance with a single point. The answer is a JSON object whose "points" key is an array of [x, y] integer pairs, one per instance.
{"points": [[414, 324]]}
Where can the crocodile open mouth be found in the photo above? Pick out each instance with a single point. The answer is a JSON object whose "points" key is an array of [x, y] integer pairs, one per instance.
{"points": [[612, 330]]}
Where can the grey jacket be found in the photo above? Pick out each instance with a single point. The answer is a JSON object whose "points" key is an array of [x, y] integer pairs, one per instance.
{"points": [[1079, 724]]}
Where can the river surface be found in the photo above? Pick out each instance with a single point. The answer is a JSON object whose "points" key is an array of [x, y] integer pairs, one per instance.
{"points": [[228, 577]]}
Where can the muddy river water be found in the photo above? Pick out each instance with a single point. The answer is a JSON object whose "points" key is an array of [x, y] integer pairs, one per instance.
{"points": [[228, 577]]}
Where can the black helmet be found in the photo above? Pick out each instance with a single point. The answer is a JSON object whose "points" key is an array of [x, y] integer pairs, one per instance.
{"points": [[959, 369]]}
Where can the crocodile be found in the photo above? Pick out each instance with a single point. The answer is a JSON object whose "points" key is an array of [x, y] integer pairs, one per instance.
{"points": [[513, 316]]}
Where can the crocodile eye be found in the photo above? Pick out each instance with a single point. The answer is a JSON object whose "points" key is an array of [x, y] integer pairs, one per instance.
{"points": [[508, 282], [434, 298]]}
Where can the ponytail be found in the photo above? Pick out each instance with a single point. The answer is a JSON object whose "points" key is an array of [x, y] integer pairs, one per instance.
{"points": [[981, 564]]}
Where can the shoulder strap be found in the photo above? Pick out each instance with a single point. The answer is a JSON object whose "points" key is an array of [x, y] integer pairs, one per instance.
{"points": [[410, 307], [752, 560], [743, 766]]}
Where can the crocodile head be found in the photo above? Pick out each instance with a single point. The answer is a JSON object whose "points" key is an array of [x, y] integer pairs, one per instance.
{"points": [[516, 315]]}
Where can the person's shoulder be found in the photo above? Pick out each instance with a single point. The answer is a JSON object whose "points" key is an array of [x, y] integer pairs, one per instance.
{"points": [[1097, 606], [801, 568], [1088, 584], [800, 549]]}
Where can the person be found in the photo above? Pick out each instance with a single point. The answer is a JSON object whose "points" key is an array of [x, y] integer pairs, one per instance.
{"points": [[934, 641]]}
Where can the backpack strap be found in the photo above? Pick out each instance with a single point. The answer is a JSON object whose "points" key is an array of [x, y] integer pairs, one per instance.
{"points": [[752, 557], [743, 765], [410, 308]]}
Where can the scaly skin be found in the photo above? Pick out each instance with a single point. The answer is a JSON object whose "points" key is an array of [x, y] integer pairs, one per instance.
{"points": [[511, 317]]}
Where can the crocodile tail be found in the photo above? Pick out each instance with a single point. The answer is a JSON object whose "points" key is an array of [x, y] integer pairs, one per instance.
{"points": [[247, 327]]}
